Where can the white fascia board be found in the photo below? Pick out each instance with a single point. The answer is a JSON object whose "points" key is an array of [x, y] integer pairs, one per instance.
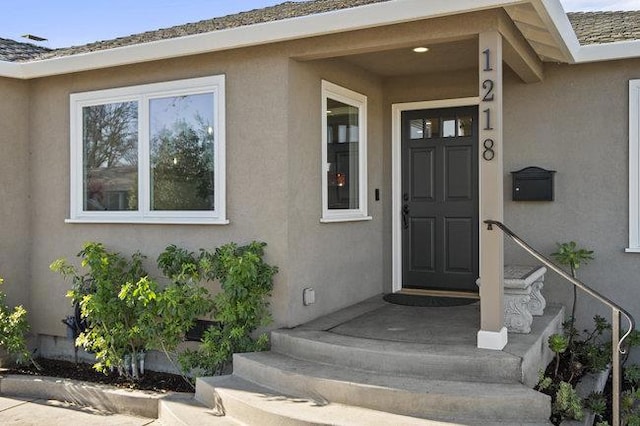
{"points": [[608, 52], [11, 70], [378, 14]]}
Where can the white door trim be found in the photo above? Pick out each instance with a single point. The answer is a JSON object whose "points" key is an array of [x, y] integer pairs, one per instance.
{"points": [[396, 173]]}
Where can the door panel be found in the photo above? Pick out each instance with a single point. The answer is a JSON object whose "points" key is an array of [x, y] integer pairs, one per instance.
{"points": [[458, 241], [422, 244], [459, 182], [440, 199], [422, 180]]}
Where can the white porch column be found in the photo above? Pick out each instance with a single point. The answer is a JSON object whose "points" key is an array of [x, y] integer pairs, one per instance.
{"points": [[492, 334]]}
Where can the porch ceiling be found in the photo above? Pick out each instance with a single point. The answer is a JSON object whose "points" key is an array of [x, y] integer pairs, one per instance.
{"points": [[441, 57], [452, 41]]}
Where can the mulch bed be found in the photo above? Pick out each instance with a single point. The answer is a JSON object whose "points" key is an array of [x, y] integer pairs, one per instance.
{"points": [[151, 380]]}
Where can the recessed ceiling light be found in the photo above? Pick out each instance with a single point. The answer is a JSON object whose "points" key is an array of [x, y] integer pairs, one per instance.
{"points": [[420, 49]]}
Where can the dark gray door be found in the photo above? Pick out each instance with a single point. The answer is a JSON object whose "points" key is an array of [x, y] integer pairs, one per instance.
{"points": [[440, 199]]}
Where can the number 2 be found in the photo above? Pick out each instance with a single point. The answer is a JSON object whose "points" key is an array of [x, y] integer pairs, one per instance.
{"points": [[488, 86]]}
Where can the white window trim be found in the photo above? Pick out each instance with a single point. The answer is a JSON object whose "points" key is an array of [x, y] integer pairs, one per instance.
{"points": [[349, 97], [142, 94], [634, 167]]}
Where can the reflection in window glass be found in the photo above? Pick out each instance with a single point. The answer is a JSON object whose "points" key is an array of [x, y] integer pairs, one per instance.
{"points": [[110, 156], [181, 152], [448, 127], [342, 157], [415, 128], [464, 126], [431, 128]]}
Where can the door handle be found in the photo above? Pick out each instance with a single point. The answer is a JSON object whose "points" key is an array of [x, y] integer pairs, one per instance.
{"points": [[405, 216]]}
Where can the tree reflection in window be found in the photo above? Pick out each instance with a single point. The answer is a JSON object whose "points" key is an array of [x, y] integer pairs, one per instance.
{"points": [[181, 157], [110, 156]]}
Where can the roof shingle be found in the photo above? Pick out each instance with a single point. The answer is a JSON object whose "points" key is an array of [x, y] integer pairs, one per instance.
{"points": [[605, 27], [286, 10], [14, 51]]}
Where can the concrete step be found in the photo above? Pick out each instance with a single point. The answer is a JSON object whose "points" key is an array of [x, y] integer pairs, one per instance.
{"points": [[256, 405], [180, 410], [403, 395], [520, 361], [399, 358]]}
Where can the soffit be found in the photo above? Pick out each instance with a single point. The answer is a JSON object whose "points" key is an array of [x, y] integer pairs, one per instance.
{"points": [[441, 57], [536, 27]]}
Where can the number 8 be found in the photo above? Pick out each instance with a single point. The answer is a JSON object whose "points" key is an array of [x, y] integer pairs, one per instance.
{"points": [[488, 154]]}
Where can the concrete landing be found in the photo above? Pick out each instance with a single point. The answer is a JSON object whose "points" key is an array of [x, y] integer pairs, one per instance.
{"points": [[377, 359]]}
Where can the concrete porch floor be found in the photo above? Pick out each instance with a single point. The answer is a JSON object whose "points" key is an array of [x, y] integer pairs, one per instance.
{"points": [[378, 363], [442, 330]]}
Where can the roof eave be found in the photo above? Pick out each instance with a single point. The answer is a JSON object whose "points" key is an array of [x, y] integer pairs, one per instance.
{"points": [[11, 70], [608, 52], [377, 14]]}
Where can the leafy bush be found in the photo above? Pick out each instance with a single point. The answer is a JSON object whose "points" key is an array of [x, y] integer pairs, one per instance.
{"points": [[240, 308], [13, 330], [126, 312]]}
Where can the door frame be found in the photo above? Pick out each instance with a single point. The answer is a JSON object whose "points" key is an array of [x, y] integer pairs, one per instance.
{"points": [[396, 174]]}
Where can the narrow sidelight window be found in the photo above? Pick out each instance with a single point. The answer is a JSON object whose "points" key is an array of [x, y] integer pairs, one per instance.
{"points": [[344, 154]]}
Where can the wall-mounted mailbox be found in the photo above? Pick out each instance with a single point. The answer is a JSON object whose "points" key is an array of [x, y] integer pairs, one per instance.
{"points": [[533, 184]]}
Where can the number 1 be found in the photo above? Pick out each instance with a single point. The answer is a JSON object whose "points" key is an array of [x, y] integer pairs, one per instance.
{"points": [[487, 113], [487, 57]]}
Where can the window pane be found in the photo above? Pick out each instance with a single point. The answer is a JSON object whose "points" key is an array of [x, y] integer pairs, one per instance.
{"points": [[181, 150], [431, 128], [415, 127], [464, 126], [448, 127], [110, 156], [342, 157]]}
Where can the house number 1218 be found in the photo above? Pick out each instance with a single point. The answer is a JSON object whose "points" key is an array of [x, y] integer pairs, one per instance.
{"points": [[488, 95]]}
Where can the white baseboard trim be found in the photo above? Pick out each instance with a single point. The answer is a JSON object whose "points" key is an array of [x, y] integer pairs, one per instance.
{"points": [[495, 340]]}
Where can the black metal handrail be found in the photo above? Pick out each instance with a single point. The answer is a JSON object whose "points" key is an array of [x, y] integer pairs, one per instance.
{"points": [[616, 310]]}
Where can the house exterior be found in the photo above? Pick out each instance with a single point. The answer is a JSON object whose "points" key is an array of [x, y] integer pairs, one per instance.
{"points": [[366, 167]]}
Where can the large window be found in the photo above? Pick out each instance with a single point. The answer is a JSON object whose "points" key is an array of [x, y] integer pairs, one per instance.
{"points": [[344, 154], [149, 154], [634, 166]]}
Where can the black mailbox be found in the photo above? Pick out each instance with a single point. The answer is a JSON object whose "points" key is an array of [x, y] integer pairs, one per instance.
{"points": [[533, 184]]}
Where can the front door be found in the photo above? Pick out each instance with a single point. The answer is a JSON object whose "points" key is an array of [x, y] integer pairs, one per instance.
{"points": [[440, 199]]}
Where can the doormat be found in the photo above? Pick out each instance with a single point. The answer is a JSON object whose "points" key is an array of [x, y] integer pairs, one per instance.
{"points": [[427, 301]]}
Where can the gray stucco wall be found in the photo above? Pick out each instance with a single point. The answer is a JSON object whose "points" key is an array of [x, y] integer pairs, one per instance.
{"points": [[256, 131], [341, 261], [14, 190], [273, 181], [576, 122]]}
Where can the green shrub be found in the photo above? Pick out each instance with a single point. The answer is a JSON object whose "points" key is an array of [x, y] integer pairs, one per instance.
{"points": [[240, 308], [13, 330], [126, 311]]}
